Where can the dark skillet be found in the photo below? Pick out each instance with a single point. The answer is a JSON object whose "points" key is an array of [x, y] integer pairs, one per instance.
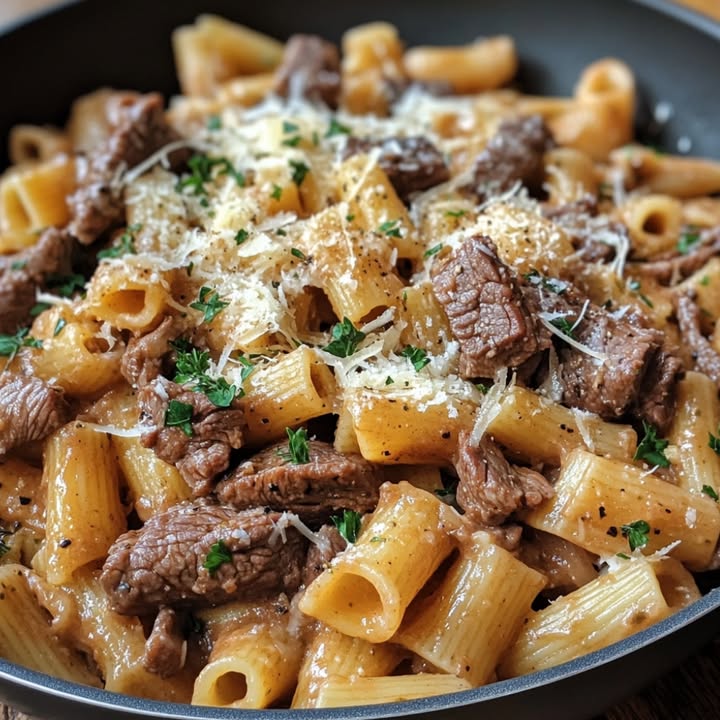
{"points": [[125, 43]]}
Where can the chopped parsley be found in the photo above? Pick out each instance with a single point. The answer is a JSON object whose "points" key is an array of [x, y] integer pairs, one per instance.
{"points": [[219, 555], [433, 250], [19, 265], [564, 326], [705, 280], [482, 387], [125, 246], [191, 368], [345, 339], [688, 240], [652, 448], [241, 236], [38, 308], [711, 492], [455, 213], [448, 492], [348, 524], [66, 285], [635, 286], [636, 533], [389, 380], [289, 127], [10, 344], [293, 141], [552, 284], [247, 368], [179, 414], [202, 170], [295, 252], [4, 547], [417, 356], [298, 452], [390, 228], [214, 123], [337, 128], [209, 303], [623, 556], [59, 325], [299, 171], [350, 217], [714, 442], [276, 193]]}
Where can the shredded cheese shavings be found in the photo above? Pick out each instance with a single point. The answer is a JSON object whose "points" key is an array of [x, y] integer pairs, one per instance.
{"points": [[159, 156], [288, 519], [490, 406], [115, 430], [580, 418]]}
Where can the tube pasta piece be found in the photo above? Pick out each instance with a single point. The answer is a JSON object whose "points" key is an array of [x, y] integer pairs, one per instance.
{"points": [[341, 692], [682, 177], [427, 324], [595, 497], [696, 419], [22, 496], [84, 514], [570, 175], [32, 198], [26, 637], [622, 602], [394, 426], [117, 643], [330, 653], [214, 50], [538, 430], [127, 299], [654, 223], [483, 65], [288, 391], [33, 143], [367, 588], [467, 623], [250, 666]]}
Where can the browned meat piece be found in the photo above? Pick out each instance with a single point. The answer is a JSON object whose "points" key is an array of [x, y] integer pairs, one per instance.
{"points": [[205, 453], [30, 409], [164, 562], [137, 129], [488, 314], [143, 357], [670, 271], [164, 651], [639, 375], [514, 153], [489, 488], [315, 490], [22, 273], [310, 68], [412, 163], [586, 230], [706, 358], [319, 556]]}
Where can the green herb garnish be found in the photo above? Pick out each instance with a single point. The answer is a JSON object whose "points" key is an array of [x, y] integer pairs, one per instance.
{"points": [[390, 228], [552, 284], [564, 326], [191, 368], [337, 128], [179, 414], [209, 303], [295, 252], [298, 452], [687, 242], [59, 325], [417, 356], [241, 236], [652, 448], [455, 213], [299, 171], [10, 344], [66, 285], [125, 246], [345, 339], [433, 250], [214, 122], [348, 524], [276, 193], [714, 442], [711, 492], [219, 555], [636, 533]]}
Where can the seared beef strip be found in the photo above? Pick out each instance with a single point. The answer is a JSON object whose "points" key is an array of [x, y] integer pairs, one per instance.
{"points": [[138, 128], [514, 154], [319, 556], [142, 360], [311, 68], [30, 409], [163, 563], [329, 483], [706, 358], [23, 273], [164, 652], [489, 488], [412, 164], [489, 316], [201, 456]]}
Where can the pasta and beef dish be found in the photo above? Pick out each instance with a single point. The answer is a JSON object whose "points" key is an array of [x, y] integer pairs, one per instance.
{"points": [[351, 377]]}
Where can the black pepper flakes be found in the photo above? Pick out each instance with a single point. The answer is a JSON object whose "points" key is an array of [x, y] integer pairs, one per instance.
{"points": [[65, 542]]}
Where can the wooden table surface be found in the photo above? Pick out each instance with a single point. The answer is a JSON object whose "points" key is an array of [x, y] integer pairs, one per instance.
{"points": [[692, 692]]}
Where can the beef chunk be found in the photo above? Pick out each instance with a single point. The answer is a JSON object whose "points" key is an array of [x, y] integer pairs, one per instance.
{"points": [[319, 556], [30, 409], [672, 270], [137, 129], [488, 314], [489, 488], [310, 67], [514, 153], [412, 164], [706, 358], [638, 376], [163, 563], [315, 490], [165, 648], [143, 357], [199, 457], [23, 273]]}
